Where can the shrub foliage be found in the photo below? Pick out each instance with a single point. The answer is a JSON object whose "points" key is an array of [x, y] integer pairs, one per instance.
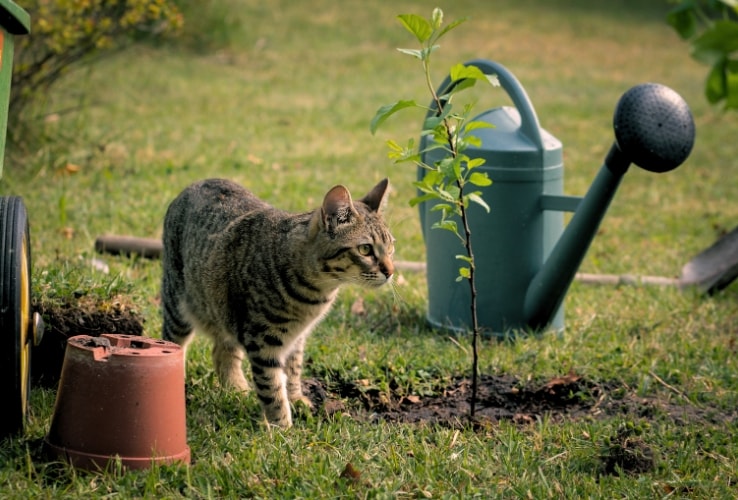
{"points": [[64, 32]]}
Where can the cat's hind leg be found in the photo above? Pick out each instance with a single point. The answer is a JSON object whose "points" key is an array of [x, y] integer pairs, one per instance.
{"points": [[228, 362], [175, 326]]}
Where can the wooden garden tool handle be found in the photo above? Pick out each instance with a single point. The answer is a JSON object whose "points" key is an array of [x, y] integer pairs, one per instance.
{"points": [[129, 245]]}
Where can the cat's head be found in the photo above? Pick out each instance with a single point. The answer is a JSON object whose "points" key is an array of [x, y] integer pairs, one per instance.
{"points": [[353, 242]]}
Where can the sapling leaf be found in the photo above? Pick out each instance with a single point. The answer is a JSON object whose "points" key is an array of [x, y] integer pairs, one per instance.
{"points": [[477, 124], [477, 198], [467, 72], [471, 140], [450, 26], [445, 207], [448, 166], [425, 52], [437, 18], [388, 110], [448, 225], [432, 122], [480, 179], [464, 273], [432, 177], [435, 120], [421, 199], [412, 52], [474, 163], [416, 25], [493, 80], [465, 258], [445, 195]]}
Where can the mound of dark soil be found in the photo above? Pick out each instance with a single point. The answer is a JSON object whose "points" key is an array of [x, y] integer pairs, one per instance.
{"points": [[504, 397], [85, 316]]}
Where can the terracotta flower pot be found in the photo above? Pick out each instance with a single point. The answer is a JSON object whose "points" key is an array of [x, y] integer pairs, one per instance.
{"points": [[120, 396]]}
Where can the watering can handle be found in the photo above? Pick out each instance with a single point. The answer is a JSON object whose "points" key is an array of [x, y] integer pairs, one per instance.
{"points": [[528, 120]]}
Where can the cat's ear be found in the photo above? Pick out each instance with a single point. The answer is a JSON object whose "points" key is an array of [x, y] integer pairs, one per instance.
{"points": [[376, 199], [337, 209]]}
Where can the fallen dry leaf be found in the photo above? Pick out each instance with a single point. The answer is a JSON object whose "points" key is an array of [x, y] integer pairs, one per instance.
{"points": [[412, 398], [71, 168], [567, 379], [350, 473]]}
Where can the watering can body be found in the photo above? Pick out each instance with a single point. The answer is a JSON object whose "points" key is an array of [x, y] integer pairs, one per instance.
{"points": [[525, 259], [513, 240]]}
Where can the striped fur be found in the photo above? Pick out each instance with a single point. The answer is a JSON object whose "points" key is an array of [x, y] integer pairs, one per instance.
{"points": [[257, 279]]}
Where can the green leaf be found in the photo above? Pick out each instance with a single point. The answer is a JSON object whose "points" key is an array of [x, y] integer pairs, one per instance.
{"points": [[416, 25], [462, 72], [437, 18], [716, 88], [449, 167], [422, 199], [463, 257], [445, 195], [464, 273], [449, 27], [472, 140], [445, 207], [434, 121], [474, 163], [476, 198], [432, 177], [683, 19], [477, 124], [388, 110], [716, 43], [493, 80], [448, 225], [412, 52], [480, 179]]}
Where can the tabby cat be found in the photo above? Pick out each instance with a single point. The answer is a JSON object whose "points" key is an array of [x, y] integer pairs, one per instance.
{"points": [[257, 279]]}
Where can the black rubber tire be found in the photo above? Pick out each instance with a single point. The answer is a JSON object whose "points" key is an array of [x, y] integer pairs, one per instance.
{"points": [[16, 335]]}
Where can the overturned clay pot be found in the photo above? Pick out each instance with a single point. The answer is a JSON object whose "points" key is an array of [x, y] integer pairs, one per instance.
{"points": [[120, 397]]}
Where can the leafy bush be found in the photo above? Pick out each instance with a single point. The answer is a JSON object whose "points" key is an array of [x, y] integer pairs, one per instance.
{"points": [[711, 27], [64, 32]]}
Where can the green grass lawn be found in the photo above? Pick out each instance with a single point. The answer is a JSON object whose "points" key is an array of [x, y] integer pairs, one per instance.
{"points": [[284, 108]]}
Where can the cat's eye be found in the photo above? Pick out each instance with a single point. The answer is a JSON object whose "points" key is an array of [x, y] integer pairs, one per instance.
{"points": [[364, 249]]}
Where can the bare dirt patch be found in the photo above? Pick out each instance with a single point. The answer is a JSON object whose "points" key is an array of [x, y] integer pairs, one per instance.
{"points": [[505, 397]]}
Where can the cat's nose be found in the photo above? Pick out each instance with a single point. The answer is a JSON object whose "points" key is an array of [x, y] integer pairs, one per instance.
{"points": [[387, 268]]}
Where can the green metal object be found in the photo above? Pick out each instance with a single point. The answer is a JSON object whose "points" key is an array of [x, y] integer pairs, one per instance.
{"points": [[510, 243], [13, 21], [525, 258]]}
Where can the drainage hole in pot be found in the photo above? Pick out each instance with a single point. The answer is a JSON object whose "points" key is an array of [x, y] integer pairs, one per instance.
{"points": [[137, 344]]}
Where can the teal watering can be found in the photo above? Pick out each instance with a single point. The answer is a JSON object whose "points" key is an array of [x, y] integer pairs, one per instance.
{"points": [[525, 258]]}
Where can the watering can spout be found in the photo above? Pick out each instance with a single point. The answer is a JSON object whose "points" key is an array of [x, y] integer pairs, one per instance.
{"points": [[653, 129]]}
